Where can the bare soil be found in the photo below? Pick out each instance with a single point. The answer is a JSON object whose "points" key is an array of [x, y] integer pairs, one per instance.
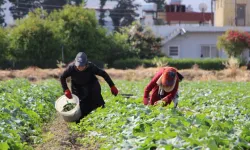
{"points": [[57, 136]]}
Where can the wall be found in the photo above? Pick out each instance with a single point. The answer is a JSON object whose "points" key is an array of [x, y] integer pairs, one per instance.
{"points": [[190, 44], [225, 12]]}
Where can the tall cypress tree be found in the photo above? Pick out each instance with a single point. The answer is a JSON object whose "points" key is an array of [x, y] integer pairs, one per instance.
{"points": [[20, 8], [102, 12], [1, 13], [124, 13], [160, 3]]}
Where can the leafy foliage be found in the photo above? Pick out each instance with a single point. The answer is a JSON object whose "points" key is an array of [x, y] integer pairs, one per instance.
{"points": [[33, 39], [1, 13], [160, 3], [4, 43], [79, 2], [144, 40], [23, 109], [211, 115], [124, 13], [102, 12], [77, 29], [68, 107], [21, 8], [72, 29], [234, 42], [206, 64], [118, 47]]}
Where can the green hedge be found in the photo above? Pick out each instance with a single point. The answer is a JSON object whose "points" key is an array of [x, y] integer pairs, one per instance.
{"points": [[206, 64], [132, 63]]}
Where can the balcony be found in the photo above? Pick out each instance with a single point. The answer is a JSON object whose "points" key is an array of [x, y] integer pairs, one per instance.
{"points": [[188, 17]]}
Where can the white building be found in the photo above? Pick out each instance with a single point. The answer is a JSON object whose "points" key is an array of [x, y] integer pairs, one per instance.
{"points": [[194, 41]]}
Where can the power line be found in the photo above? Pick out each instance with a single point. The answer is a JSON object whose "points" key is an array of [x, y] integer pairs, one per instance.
{"points": [[40, 4], [58, 6]]}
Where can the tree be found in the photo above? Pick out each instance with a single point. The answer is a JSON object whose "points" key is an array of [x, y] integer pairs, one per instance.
{"points": [[160, 3], [1, 13], [33, 39], [51, 5], [124, 13], [102, 12], [234, 42], [78, 30], [4, 43], [21, 8], [144, 41], [119, 47]]}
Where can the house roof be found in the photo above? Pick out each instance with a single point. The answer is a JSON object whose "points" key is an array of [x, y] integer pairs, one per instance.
{"points": [[214, 29], [172, 32]]}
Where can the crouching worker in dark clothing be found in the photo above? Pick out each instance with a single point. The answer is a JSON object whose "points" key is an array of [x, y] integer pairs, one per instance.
{"points": [[85, 85]]}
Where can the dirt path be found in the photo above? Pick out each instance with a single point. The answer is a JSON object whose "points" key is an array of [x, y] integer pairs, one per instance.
{"points": [[56, 136]]}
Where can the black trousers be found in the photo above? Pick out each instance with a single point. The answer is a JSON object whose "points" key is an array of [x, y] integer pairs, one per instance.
{"points": [[90, 97]]}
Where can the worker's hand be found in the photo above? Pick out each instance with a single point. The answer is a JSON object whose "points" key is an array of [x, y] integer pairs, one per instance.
{"points": [[68, 94], [160, 103], [145, 101], [168, 101], [114, 90]]}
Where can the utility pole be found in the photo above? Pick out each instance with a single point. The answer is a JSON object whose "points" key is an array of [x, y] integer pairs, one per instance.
{"points": [[18, 10], [63, 54], [212, 12], [235, 12]]}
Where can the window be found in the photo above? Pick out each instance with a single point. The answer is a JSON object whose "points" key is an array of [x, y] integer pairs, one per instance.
{"points": [[173, 51], [241, 15], [205, 51], [214, 51], [209, 51]]}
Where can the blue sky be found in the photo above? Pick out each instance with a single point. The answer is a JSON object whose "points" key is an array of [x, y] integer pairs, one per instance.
{"points": [[195, 3]]}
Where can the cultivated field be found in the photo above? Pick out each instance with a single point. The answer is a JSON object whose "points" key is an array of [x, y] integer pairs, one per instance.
{"points": [[211, 114]]}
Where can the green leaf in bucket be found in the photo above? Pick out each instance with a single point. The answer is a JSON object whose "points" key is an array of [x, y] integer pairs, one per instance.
{"points": [[68, 106]]}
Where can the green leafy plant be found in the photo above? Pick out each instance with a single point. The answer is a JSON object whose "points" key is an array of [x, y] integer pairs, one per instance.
{"points": [[234, 42], [24, 108], [210, 115], [68, 107]]}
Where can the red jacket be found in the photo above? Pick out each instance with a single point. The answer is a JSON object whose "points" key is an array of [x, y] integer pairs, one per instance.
{"points": [[152, 86]]}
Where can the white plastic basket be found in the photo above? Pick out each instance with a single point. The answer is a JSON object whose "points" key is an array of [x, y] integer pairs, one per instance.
{"points": [[72, 115]]}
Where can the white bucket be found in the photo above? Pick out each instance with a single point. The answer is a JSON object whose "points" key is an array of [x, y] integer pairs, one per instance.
{"points": [[72, 115]]}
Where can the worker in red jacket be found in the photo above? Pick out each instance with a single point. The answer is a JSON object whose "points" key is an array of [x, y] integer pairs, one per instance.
{"points": [[163, 87]]}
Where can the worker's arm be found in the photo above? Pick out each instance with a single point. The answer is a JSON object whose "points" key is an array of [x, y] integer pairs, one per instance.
{"points": [[152, 84], [64, 76], [97, 71]]}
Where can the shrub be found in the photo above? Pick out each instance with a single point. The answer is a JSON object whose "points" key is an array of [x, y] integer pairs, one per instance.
{"points": [[234, 42], [207, 64]]}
